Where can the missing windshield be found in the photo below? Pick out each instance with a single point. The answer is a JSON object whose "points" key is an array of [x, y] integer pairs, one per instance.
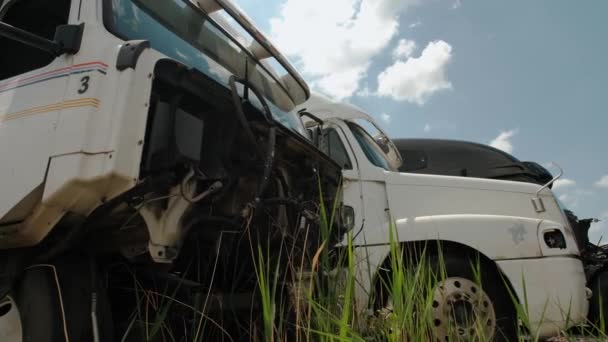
{"points": [[183, 32]]}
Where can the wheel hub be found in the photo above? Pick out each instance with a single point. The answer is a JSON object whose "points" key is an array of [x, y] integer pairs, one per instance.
{"points": [[462, 310], [10, 321]]}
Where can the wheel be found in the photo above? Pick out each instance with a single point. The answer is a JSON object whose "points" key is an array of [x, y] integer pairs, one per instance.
{"points": [[53, 303], [598, 306], [461, 309]]}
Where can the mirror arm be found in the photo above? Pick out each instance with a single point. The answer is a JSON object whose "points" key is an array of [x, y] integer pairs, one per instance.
{"points": [[303, 112], [67, 38]]}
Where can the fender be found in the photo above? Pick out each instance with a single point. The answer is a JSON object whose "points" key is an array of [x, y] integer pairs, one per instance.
{"points": [[497, 237]]}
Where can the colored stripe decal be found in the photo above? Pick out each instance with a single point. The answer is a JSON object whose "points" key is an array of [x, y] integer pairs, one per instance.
{"points": [[86, 102], [49, 75]]}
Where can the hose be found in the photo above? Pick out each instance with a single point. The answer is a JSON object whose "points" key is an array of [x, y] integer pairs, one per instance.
{"points": [[268, 165]]}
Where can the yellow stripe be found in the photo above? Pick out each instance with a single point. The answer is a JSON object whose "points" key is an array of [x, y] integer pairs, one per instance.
{"points": [[86, 102]]}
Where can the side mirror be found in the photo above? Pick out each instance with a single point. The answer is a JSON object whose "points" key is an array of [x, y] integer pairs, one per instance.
{"points": [[68, 38], [316, 135], [383, 142]]}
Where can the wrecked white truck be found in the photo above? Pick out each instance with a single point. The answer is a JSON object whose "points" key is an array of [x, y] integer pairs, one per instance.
{"points": [[469, 159], [148, 150], [517, 230]]}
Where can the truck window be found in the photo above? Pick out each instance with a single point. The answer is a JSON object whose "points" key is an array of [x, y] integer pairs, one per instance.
{"points": [[335, 149], [40, 17], [371, 150]]}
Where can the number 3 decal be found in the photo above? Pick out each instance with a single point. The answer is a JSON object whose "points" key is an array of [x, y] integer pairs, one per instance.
{"points": [[84, 85]]}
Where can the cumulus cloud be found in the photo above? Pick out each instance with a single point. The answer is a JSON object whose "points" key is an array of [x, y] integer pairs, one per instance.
{"points": [[416, 79], [415, 24], [503, 141], [563, 183], [427, 128], [364, 92], [404, 49], [456, 4], [334, 41], [603, 182], [572, 198], [385, 117]]}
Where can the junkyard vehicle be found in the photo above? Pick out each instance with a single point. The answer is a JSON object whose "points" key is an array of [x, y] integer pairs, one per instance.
{"points": [[149, 156], [515, 230], [469, 159]]}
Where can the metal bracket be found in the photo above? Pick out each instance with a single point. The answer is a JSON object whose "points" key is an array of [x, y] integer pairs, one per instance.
{"points": [[538, 204], [129, 54], [537, 201], [165, 226]]}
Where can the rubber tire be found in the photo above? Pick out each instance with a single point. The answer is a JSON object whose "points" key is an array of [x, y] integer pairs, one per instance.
{"points": [[492, 284], [599, 286], [48, 313]]}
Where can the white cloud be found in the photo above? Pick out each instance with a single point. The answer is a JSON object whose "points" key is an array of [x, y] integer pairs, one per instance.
{"points": [[427, 128], [572, 197], [340, 85], [503, 141], [415, 24], [416, 79], [404, 49], [334, 41], [364, 92], [563, 183], [385, 117], [456, 4], [603, 182]]}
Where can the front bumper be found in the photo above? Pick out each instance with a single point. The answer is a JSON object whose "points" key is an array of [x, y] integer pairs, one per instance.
{"points": [[553, 290]]}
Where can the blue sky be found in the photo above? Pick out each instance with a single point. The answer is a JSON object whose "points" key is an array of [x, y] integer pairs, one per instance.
{"points": [[528, 76]]}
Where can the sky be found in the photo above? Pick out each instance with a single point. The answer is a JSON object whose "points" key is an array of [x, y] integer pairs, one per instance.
{"points": [[528, 77]]}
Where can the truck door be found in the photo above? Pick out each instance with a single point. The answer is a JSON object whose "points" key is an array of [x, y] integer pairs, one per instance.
{"points": [[373, 164], [334, 144], [32, 87]]}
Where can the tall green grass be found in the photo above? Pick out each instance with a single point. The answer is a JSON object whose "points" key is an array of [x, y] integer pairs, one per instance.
{"points": [[318, 302]]}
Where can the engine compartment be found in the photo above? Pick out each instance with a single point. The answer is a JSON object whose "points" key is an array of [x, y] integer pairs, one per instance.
{"points": [[248, 195]]}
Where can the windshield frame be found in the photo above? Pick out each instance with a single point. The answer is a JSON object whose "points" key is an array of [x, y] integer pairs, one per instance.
{"points": [[227, 57], [256, 35], [359, 132]]}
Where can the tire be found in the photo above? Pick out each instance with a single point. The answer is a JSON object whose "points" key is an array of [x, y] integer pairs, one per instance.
{"points": [[53, 302], [598, 306], [457, 294]]}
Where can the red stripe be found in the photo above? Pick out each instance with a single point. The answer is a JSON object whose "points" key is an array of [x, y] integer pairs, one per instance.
{"points": [[89, 63], [52, 72]]}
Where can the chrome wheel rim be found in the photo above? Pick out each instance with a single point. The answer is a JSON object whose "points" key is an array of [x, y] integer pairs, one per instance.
{"points": [[11, 329], [462, 311]]}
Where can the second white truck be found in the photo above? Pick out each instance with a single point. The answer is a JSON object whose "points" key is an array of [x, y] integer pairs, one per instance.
{"points": [[521, 236]]}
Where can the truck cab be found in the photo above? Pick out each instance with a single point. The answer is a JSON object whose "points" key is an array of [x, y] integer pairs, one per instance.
{"points": [[516, 231], [155, 135]]}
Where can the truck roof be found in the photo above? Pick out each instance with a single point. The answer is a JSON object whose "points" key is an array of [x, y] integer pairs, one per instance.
{"points": [[325, 108]]}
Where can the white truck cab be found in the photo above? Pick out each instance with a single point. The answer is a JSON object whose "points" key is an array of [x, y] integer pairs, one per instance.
{"points": [[146, 139], [517, 229]]}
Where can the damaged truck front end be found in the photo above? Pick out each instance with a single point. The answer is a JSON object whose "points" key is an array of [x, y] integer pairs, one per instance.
{"points": [[187, 179]]}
